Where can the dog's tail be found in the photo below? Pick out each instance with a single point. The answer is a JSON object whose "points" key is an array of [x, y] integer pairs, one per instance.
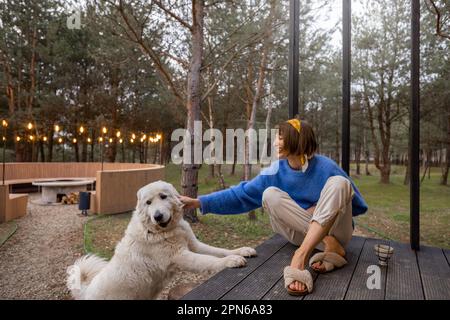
{"points": [[81, 273]]}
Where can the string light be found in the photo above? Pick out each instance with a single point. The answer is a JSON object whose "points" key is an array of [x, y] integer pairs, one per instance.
{"points": [[81, 129], [17, 139], [89, 140], [74, 140], [104, 130], [60, 140], [30, 126], [4, 123], [100, 139], [118, 134], [44, 139], [133, 136], [56, 128], [158, 136], [31, 137], [120, 141], [132, 140], [110, 140]]}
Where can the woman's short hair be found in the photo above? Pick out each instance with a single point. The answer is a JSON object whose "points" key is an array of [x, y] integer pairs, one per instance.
{"points": [[298, 143]]}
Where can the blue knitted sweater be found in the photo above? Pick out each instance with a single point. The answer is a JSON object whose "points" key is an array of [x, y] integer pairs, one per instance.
{"points": [[303, 187]]}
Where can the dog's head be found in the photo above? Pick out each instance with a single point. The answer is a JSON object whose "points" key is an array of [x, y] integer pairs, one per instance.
{"points": [[158, 205]]}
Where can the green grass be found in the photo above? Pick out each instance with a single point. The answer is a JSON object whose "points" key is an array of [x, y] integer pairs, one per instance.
{"points": [[388, 214], [7, 229], [101, 233], [389, 207]]}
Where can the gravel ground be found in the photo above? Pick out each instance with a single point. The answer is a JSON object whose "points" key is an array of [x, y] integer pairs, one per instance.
{"points": [[33, 261]]}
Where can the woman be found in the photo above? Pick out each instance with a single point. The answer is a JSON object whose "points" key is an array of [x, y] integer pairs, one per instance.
{"points": [[309, 198]]}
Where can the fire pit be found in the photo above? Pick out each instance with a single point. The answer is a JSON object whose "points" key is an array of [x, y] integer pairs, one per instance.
{"points": [[51, 188]]}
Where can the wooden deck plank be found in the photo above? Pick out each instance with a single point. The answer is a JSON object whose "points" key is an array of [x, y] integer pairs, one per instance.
{"points": [[333, 285], [322, 289], [409, 275], [447, 255], [219, 284], [263, 278], [435, 273], [403, 277], [358, 285], [279, 292]]}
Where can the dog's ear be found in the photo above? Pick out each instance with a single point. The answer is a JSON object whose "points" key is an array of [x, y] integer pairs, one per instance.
{"points": [[140, 196], [174, 194]]}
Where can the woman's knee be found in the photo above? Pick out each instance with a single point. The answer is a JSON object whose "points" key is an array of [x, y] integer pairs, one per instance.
{"points": [[339, 183], [271, 197]]}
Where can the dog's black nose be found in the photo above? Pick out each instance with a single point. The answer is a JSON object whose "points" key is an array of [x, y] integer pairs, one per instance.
{"points": [[158, 216]]}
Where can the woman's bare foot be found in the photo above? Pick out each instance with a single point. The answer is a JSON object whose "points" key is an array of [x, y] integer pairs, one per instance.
{"points": [[331, 245], [298, 261]]}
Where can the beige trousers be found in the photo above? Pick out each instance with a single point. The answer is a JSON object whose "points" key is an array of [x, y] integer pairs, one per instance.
{"points": [[292, 221]]}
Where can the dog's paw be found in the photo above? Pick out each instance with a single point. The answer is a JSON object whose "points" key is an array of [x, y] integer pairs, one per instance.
{"points": [[235, 261], [245, 252]]}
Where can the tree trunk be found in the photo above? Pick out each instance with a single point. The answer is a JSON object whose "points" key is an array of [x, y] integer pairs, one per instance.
{"points": [[384, 175], [19, 150], [358, 158], [211, 138], [155, 154], [189, 176], [84, 151], [233, 166], [337, 156], [9, 87], [76, 151], [406, 179], [446, 163], [42, 151], [91, 154], [32, 72], [141, 152], [266, 147], [366, 153], [50, 145], [220, 177]]}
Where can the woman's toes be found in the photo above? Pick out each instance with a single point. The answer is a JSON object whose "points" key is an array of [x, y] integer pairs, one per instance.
{"points": [[317, 265], [297, 286]]}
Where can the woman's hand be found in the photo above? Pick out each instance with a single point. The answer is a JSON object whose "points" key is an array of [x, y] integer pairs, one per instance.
{"points": [[189, 203]]}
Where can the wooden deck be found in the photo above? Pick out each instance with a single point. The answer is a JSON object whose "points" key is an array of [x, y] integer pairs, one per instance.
{"points": [[409, 275]]}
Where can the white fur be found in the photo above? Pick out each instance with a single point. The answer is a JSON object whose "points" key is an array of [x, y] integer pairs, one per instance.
{"points": [[149, 254]]}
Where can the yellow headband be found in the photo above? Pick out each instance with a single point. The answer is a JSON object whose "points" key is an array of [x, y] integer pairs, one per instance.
{"points": [[296, 124]]}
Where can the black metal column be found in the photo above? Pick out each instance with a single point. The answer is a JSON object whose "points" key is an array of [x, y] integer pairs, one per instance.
{"points": [[294, 13], [346, 79], [414, 129]]}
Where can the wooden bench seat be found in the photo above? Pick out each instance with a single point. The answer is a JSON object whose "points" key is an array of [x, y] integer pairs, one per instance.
{"points": [[13, 196], [12, 206]]}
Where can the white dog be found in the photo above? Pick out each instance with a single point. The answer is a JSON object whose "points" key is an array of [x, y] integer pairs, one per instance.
{"points": [[157, 242]]}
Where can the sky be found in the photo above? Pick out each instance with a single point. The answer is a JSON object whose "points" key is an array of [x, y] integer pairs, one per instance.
{"points": [[329, 20]]}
